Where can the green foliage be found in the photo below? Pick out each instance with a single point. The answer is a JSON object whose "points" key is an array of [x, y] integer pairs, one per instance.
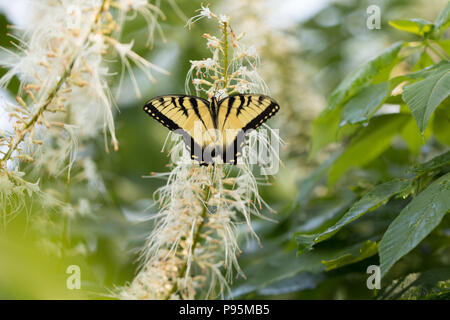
{"points": [[417, 196], [370, 201], [326, 126], [369, 143], [431, 284], [436, 163], [371, 98], [380, 184], [367, 250], [423, 97], [443, 20], [415, 222], [441, 120], [419, 27], [386, 178]]}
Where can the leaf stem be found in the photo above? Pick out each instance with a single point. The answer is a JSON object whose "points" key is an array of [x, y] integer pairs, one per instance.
{"points": [[436, 52]]}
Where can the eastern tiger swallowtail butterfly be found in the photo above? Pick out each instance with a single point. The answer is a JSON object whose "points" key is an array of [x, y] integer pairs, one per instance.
{"points": [[212, 128]]}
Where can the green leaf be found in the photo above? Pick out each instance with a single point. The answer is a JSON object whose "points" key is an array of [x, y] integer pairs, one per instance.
{"points": [[369, 144], [445, 45], [419, 74], [435, 163], [443, 20], [423, 62], [431, 284], [424, 96], [277, 269], [365, 74], [367, 250], [325, 212], [415, 222], [325, 127], [411, 135], [427, 72], [441, 124], [362, 106], [370, 201], [307, 185], [397, 99], [299, 282], [419, 27]]}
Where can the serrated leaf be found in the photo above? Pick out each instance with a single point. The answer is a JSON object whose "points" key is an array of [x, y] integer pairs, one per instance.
{"points": [[367, 250], [364, 75], [437, 68], [370, 201], [326, 213], [440, 161], [415, 222], [362, 106], [419, 27], [377, 70], [443, 20], [277, 266], [419, 74], [369, 144], [431, 284], [424, 96]]}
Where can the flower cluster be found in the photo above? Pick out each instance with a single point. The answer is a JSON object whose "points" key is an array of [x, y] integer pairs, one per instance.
{"points": [[192, 252], [289, 79], [224, 73], [64, 97]]}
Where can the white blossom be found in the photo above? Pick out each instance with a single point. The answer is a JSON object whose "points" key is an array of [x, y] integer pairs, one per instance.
{"points": [[200, 209], [64, 98]]}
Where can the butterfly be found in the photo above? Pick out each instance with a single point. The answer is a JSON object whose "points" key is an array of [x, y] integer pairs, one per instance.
{"points": [[212, 128]]}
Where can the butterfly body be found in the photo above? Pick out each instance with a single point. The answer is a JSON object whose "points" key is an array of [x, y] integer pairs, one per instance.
{"points": [[215, 127]]}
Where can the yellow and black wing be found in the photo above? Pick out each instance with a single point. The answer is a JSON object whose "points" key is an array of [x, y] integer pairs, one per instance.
{"points": [[238, 114], [188, 115], [210, 129]]}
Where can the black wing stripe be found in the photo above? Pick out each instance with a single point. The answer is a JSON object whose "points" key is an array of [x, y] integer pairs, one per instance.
{"points": [[166, 106], [264, 116], [194, 104], [241, 106], [181, 106], [160, 117], [230, 105]]}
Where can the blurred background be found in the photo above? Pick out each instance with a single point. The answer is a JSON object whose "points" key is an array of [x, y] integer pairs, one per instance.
{"points": [[306, 49]]}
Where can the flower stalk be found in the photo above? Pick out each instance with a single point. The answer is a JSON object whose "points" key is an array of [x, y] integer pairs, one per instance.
{"points": [[225, 53], [196, 239], [30, 124], [65, 100], [192, 251]]}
